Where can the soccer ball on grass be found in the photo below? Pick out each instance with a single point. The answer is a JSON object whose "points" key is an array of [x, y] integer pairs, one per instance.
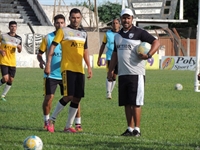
{"points": [[178, 87], [33, 143]]}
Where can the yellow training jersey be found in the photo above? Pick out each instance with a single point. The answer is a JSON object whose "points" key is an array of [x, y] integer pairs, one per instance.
{"points": [[104, 39], [73, 43], [9, 45], [43, 45]]}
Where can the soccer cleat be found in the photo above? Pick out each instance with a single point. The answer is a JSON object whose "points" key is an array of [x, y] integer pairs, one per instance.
{"points": [[70, 130], [127, 133], [136, 133], [50, 126], [45, 124], [78, 128], [3, 98], [109, 95]]}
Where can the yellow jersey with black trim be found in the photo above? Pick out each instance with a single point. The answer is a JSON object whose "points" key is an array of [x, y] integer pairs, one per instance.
{"points": [[73, 43], [9, 45]]}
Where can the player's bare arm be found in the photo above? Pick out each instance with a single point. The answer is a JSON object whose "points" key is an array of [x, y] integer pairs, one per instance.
{"points": [[47, 69], [100, 53], [41, 61], [87, 61], [2, 52], [19, 48], [113, 63]]}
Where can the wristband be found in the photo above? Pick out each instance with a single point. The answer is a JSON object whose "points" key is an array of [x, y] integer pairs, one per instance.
{"points": [[149, 55]]}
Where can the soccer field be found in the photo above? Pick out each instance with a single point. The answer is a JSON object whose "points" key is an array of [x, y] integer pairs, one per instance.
{"points": [[170, 118]]}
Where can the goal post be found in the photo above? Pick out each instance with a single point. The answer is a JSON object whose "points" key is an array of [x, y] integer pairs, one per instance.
{"points": [[196, 83]]}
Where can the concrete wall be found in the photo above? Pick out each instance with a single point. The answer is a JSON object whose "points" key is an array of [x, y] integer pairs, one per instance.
{"points": [[26, 58], [87, 16]]}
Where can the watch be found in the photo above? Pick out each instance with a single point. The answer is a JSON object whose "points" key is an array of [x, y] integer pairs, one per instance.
{"points": [[149, 55]]}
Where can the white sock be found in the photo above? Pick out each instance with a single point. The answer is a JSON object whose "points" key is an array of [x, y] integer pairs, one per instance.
{"points": [[130, 129], [113, 85], [78, 120], [71, 116], [57, 110], [137, 128], [108, 86], [46, 117], [6, 89]]}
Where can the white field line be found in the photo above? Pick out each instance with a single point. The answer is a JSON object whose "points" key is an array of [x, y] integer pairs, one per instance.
{"points": [[155, 142]]}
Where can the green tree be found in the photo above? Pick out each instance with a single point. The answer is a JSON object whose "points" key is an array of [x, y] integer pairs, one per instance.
{"points": [[109, 11]]}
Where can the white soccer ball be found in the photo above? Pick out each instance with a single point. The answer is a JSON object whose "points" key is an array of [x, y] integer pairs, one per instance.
{"points": [[33, 143], [143, 48], [178, 86]]}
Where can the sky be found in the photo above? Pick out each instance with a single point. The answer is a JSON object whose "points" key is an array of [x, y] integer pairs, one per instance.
{"points": [[68, 2]]}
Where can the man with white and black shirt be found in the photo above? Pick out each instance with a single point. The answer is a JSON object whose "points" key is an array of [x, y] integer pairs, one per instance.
{"points": [[131, 69]]}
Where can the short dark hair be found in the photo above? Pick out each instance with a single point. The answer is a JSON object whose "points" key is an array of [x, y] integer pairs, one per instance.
{"points": [[59, 16], [12, 22], [117, 20], [74, 10]]}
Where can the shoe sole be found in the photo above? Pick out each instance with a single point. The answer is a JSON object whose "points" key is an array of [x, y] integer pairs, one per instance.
{"points": [[3, 99]]}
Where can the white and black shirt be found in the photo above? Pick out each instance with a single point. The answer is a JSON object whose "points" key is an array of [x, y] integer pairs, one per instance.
{"points": [[125, 42]]}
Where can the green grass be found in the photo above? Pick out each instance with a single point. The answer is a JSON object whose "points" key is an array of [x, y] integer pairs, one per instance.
{"points": [[170, 118]]}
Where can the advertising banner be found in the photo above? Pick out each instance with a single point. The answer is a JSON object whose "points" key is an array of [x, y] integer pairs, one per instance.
{"points": [[178, 63], [153, 63], [103, 61]]}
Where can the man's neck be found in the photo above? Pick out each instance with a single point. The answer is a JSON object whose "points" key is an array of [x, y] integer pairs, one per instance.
{"points": [[73, 27], [115, 30], [12, 33], [126, 30]]}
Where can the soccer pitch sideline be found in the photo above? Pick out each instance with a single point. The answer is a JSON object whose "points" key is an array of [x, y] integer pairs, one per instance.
{"points": [[170, 118]]}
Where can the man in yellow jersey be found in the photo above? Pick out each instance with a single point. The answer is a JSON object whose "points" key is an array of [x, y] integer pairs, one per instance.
{"points": [[54, 78], [73, 40], [108, 41], [9, 42]]}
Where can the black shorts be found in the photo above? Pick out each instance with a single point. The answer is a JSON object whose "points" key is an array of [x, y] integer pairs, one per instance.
{"points": [[131, 90], [116, 67], [50, 86], [8, 70], [73, 83]]}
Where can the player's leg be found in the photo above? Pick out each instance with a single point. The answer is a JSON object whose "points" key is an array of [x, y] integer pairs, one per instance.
{"points": [[8, 77], [125, 99], [71, 116], [139, 101], [46, 108], [108, 83], [114, 77], [49, 90], [78, 120], [78, 83], [137, 116], [59, 107], [4, 73]]}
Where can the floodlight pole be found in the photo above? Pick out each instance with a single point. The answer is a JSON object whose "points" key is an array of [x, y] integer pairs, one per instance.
{"points": [[181, 10], [196, 84]]}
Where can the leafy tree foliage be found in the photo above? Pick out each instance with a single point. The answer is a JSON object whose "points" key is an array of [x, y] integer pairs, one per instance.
{"points": [[109, 11]]}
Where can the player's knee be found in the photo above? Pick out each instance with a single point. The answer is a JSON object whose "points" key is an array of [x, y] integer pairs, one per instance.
{"points": [[73, 105], [62, 102], [9, 83], [67, 98]]}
